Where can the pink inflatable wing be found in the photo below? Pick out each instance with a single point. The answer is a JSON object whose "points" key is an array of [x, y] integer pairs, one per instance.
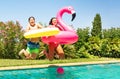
{"points": [[67, 35]]}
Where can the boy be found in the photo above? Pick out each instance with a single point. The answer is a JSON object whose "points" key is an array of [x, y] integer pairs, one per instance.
{"points": [[33, 45]]}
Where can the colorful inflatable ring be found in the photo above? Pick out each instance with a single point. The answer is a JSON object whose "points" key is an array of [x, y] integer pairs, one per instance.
{"points": [[41, 32], [67, 35]]}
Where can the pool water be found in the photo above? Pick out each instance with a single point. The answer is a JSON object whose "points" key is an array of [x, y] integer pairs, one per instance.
{"points": [[98, 71]]}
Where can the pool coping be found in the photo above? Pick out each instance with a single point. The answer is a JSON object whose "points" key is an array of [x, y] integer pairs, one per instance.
{"points": [[61, 64]]}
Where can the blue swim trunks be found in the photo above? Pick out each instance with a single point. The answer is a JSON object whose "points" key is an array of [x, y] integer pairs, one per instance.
{"points": [[33, 47]]}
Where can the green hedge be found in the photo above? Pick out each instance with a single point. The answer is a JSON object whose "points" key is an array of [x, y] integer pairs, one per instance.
{"points": [[12, 41]]}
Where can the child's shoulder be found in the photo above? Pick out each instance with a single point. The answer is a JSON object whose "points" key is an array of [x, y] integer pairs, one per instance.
{"points": [[51, 26]]}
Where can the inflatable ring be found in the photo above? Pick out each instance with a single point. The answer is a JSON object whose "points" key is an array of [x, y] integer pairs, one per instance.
{"points": [[67, 35], [41, 32]]}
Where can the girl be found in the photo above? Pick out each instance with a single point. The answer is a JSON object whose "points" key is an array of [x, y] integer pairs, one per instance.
{"points": [[54, 48]]}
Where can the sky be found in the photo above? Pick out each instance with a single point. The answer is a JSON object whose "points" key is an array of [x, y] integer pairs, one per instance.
{"points": [[44, 10]]}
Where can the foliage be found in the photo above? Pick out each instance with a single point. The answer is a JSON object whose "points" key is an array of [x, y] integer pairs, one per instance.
{"points": [[97, 26], [106, 47], [111, 33], [70, 51], [83, 34], [11, 39], [101, 43]]}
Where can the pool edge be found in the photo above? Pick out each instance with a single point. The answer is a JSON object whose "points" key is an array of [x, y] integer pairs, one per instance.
{"points": [[63, 64]]}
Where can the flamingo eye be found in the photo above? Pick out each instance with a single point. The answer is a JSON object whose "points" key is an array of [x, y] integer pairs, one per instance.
{"points": [[69, 8]]}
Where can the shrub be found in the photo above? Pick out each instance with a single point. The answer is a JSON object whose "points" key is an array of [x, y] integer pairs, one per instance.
{"points": [[11, 39]]}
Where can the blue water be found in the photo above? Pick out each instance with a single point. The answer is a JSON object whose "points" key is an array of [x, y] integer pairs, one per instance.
{"points": [[99, 71]]}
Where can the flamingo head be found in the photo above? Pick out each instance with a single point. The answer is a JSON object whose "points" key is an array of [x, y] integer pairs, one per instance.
{"points": [[69, 10]]}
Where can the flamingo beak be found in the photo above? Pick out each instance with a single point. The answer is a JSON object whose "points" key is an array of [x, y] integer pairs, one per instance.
{"points": [[73, 16]]}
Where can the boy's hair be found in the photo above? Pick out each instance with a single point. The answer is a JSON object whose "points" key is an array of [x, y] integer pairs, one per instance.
{"points": [[30, 18]]}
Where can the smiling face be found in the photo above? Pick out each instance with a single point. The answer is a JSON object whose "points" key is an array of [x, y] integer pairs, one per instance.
{"points": [[54, 21], [32, 21]]}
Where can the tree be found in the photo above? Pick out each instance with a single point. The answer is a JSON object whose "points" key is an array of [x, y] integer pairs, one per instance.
{"points": [[97, 26]]}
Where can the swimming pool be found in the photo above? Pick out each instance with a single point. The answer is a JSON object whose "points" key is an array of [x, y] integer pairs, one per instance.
{"points": [[97, 71]]}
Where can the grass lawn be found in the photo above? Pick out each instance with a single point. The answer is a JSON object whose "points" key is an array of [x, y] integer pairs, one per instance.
{"points": [[15, 62]]}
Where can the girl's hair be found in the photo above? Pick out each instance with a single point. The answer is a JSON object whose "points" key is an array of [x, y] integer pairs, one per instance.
{"points": [[50, 22], [30, 18]]}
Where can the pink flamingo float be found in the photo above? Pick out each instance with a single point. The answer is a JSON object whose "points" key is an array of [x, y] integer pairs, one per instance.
{"points": [[67, 35]]}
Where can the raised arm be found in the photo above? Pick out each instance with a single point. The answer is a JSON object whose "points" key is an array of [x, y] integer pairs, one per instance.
{"points": [[27, 28], [39, 26]]}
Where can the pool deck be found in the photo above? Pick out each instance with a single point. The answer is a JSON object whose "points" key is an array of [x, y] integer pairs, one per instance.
{"points": [[63, 64]]}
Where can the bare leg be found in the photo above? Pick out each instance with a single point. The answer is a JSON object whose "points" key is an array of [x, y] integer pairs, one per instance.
{"points": [[51, 47], [45, 53], [24, 52], [60, 52]]}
